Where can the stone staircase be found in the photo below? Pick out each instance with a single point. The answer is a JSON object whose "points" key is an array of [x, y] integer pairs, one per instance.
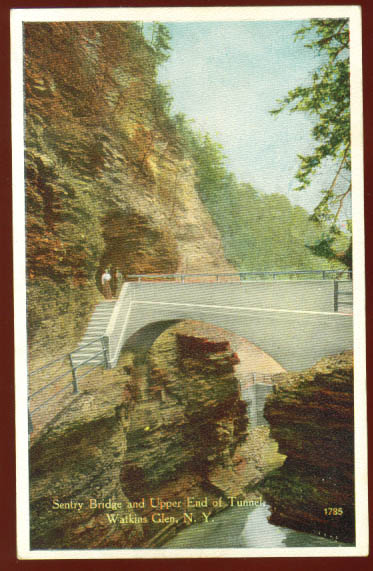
{"points": [[96, 328]]}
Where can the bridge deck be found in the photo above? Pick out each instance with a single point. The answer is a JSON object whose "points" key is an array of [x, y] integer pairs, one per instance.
{"points": [[293, 321]]}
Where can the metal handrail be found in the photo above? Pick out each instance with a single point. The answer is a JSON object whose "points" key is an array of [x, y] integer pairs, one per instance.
{"points": [[86, 345], [47, 401], [48, 364], [49, 384], [65, 355], [71, 371], [273, 273]]}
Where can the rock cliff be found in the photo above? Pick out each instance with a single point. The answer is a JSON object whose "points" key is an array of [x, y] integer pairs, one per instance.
{"points": [[169, 427], [311, 416], [76, 462], [107, 180], [125, 440]]}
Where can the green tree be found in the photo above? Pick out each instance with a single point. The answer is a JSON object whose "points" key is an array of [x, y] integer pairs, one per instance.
{"points": [[160, 42], [258, 231], [327, 100]]}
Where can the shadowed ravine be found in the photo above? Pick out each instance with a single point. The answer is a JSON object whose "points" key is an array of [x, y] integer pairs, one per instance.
{"points": [[169, 422]]}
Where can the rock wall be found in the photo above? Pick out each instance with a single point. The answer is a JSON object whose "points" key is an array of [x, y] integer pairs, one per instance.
{"points": [[124, 441], [311, 416], [77, 461], [188, 424], [169, 426], [108, 182], [195, 364]]}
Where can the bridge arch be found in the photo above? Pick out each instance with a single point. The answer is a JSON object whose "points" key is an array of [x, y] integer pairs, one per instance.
{"points": [[295, 338], [151, 350], [252, 357], [146, 335], [296, 341]]}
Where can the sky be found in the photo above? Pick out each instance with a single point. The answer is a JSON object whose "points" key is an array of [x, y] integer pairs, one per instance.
{"points": [[227, 76]]}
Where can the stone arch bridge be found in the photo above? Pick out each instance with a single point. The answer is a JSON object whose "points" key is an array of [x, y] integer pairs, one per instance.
{"points": [[293, 321]]}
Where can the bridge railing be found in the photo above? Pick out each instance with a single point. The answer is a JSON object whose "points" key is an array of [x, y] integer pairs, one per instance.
{"points": [[70, 368], [245, 276], [342, 297]]}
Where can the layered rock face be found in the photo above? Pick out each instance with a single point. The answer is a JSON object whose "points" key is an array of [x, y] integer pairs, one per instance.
{"points": [[76, 462], [194, 363], [132, 436], [188, 424], [311, 416], [108, 182]]}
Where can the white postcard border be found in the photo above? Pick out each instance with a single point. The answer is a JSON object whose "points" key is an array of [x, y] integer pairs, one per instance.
{"points": [[18, 16]]}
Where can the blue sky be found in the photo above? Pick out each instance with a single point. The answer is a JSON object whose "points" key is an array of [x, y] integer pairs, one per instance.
{"points": [[227, 76]]}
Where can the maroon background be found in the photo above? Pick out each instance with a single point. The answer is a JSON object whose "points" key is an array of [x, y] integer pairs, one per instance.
{"points": [[8, 560]]}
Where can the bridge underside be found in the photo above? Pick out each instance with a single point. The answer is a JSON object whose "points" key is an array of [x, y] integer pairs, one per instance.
{"points": [[295, 340], [145, 336]]}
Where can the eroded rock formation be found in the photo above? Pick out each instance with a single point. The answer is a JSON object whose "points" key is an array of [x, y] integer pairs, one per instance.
{"points": [[108, 182], [312, 418], [115, 442], [76, 462], [169, 428]]}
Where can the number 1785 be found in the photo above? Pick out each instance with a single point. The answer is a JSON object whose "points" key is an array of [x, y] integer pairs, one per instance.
{"points": [[333, 511]]}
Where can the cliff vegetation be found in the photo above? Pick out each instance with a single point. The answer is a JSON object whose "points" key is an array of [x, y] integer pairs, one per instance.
{"points": [[107, 183]]}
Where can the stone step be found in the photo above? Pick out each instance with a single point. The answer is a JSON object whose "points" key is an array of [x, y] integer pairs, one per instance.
{"points": [[88, 364], [95, 329], [87, 344], [105, 306], [103, 312], [81, 358], [95, 332]]}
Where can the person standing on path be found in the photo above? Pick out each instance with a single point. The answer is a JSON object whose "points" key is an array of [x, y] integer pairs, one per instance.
{"points": [[105, 281]]}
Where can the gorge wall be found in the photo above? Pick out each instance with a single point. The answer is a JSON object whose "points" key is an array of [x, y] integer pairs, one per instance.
{"points": [[311, 416], [108, 182], [169, 427]]}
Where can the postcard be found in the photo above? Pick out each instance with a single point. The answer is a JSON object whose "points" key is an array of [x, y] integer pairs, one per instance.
{"points": [[189, 282]]}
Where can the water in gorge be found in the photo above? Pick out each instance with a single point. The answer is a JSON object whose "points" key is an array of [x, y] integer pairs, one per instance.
{"points": [[247, 526], [244, 527], [236, 527]]}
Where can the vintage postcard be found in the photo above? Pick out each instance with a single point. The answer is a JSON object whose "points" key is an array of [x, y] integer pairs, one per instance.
{"points": [[189, 282]]}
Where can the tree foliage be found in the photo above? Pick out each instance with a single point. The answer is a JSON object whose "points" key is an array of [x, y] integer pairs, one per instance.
{"points": [[327, 100], [160, 41], [259, 231]]}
